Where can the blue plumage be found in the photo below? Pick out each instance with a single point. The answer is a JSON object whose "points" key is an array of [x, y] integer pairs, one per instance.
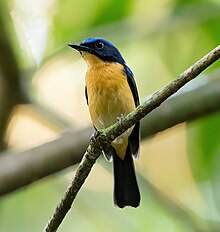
{"points": [[108, 52], [111, 92], [94, 40]]}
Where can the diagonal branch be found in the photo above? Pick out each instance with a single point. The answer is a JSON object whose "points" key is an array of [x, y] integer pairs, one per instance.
{"points": [[67, 150], [109, 134]]}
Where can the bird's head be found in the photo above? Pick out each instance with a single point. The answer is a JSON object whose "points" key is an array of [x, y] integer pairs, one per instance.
{"points": [[95, 50]]}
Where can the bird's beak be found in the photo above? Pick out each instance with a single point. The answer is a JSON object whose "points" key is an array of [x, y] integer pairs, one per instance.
{"points": [[79, 47]]}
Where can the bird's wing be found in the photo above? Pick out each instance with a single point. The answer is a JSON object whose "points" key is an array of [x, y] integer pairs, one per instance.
{"points": [[132, 84], [134, 138], [86, 95]]}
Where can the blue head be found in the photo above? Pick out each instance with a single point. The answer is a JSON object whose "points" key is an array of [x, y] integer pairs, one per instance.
{"points": [[101, 48]]}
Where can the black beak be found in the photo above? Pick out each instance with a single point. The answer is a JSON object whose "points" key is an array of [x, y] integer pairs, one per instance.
{"points": [[79, 47]]}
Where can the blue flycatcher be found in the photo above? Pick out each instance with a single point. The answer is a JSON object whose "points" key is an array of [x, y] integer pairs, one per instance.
{"points": [[111, 93]]}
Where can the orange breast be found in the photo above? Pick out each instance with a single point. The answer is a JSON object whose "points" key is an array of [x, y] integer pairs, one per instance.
{"points": [[109, 97], [109, 94]]}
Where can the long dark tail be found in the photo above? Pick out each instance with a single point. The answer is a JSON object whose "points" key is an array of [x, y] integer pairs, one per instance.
{"points": [[126, 191]]}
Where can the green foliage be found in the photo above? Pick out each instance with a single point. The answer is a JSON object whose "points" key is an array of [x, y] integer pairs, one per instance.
{"points": [[92, 211], [112, 11]]}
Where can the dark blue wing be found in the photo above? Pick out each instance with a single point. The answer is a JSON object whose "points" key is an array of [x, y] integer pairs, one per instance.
{"points": [[132, 84], [134, 138], [86, 95]]}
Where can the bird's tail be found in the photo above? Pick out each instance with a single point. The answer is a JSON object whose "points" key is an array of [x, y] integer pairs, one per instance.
{"points": [[126, 191]]}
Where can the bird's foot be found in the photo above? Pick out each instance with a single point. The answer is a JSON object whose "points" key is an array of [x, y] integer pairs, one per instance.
{"points": [[94, 136], [120, 118]]}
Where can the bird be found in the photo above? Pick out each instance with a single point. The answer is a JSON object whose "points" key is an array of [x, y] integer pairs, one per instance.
{"points": [[111, 93]]}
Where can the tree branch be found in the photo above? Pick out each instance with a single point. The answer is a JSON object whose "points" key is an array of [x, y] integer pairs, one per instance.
{"points": [[185, 107], [109, 134], [21, 168], [67, 150], [10, 90]]}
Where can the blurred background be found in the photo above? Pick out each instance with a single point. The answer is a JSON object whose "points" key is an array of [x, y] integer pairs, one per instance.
{"points": [[178, 169]]}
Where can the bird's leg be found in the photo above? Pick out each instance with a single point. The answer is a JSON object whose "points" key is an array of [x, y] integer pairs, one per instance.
{"points": [[94, 135], [105, 147], [119, 118]]}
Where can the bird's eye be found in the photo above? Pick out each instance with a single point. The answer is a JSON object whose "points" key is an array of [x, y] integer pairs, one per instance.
{"points": [[99, 45]]}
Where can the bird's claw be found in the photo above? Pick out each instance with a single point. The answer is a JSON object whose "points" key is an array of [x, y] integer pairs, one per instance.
{"points": [[94, 136], [119, 118]]}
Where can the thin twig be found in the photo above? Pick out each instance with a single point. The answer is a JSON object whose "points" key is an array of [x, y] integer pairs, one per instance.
{"points": [[114, 131]]}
